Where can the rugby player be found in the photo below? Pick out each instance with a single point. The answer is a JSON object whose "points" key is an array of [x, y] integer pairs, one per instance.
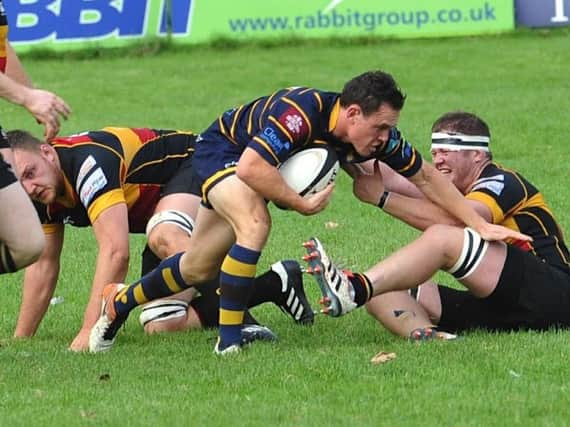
{"points": [[236, 162], [121, 181], [510, 285]]}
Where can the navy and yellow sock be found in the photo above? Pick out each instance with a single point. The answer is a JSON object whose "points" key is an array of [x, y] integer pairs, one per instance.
{"points": [[236, 278], [163, 281]]}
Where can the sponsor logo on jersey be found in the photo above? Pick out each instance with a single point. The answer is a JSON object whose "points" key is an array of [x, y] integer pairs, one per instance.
{"points": [[494, 184], [88, 164], [294, 122], [270, 136], [94, 183]]}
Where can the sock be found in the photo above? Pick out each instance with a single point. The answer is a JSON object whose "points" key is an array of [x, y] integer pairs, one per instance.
{"points": [[266, 288], [149, 261], [236, 278], [163, 281], [207, 305], [362, 288]]}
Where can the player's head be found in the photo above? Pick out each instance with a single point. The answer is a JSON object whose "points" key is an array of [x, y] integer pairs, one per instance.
{"points": [[370, 106], [37, 166], [460, 146]]}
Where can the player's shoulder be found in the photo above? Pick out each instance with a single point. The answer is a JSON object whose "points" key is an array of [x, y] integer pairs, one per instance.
{"points": [[497, 172], [308, 98], [498, 180]]}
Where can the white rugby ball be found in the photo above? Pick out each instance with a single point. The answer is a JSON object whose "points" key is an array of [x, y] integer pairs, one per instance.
{"points": [[310, 170]]}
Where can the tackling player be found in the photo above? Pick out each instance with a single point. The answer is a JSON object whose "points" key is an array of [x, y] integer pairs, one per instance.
{"points": [[512, 285], [236, 162], [121, 181]]}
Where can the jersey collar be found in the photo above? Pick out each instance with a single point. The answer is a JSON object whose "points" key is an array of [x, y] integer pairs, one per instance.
{"points": [[333, 118]]}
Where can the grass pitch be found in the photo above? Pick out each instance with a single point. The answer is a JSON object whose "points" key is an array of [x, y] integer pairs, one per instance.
{"points": [[320, 375]]}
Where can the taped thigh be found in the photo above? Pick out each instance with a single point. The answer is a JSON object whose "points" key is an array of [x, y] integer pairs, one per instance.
{"points": [[161, 310], [171, 216], [474, 248]]}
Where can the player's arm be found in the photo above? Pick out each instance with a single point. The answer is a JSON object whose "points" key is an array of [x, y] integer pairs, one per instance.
{"points": [[392, 180], [443, 193], [421, 213], [415, 211], [45, 106], [111, 230], [40, 280], [265, 179], [14, 68]]}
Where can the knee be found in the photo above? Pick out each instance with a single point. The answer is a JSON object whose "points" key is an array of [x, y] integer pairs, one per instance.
{"points": [[168, 232], [443, 236], [166, 240], [254, 232], [28, 251]]}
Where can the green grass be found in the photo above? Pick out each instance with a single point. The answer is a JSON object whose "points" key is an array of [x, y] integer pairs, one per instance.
{"points": [[319, 375]]}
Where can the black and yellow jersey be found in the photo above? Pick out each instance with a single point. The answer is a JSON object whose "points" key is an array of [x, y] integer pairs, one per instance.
{"points": [[115, 165], [279, 124], [3, 37], [517, 204]]}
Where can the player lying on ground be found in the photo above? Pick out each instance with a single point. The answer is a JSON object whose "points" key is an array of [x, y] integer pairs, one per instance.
{"points": [[121, 181], [236, 162], [513, 285]]}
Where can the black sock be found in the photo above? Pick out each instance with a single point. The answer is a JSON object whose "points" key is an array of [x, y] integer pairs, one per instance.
{"points": [[362, 288], [266, 288], [207, 305]]}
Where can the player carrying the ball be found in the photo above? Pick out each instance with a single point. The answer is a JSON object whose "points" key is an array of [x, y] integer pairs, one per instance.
{"points": [[236, 161]]}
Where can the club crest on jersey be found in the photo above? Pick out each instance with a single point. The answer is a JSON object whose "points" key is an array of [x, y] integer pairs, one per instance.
{"points": [[294, 122]]}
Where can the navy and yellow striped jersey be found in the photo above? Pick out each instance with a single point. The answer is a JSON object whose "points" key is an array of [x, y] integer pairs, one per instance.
{"points": [[3, 37], [115, 165], [279, 124], [517, 204]]}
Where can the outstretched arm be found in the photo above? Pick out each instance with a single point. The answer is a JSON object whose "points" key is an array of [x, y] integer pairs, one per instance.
{"points": [[418, 212], [46, 107], [443, 193], [40, 280], [112, 233]]}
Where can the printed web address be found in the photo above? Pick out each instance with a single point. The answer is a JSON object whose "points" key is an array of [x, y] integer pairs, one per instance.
{"points": [[367, 21]]}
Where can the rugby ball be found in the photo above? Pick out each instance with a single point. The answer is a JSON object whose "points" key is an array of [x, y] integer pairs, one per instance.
{"points": [[310, 170]]}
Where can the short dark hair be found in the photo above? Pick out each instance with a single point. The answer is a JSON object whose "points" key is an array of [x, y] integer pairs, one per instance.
{"points": [[370, 90], [22, 140], [462, 122]]}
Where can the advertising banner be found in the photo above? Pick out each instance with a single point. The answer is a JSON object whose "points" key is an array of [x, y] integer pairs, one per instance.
{"points": [[65, 24], [542, 13]]}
